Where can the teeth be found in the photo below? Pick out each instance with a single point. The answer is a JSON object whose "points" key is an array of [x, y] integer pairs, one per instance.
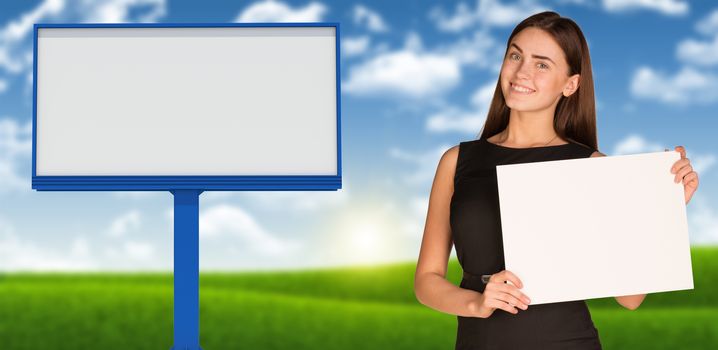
{"points": [[521, 89]]}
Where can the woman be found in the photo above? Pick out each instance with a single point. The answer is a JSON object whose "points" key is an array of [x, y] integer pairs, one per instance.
{"points": [[543, 109]]}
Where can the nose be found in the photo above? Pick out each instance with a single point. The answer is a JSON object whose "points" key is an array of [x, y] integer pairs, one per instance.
{"points": [[524, 71]]}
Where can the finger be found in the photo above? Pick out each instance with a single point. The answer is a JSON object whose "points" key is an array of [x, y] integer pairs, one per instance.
{"points": [[681, 150], [515, 293], [679, 164], [498, 304], [683, 172], [512, 300], [507, 275], [691, 180], [506, 298]]}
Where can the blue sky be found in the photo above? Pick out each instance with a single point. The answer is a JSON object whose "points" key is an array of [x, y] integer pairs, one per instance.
{"points": [[416, 79]]}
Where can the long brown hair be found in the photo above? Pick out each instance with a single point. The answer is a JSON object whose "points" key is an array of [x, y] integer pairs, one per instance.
{"points": [[575, 116]]}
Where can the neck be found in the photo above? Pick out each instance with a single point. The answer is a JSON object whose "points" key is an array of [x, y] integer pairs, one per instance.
{"points": [[529, 129]]}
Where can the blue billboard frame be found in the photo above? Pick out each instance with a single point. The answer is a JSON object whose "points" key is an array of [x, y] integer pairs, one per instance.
{"points": [[204, 183]]}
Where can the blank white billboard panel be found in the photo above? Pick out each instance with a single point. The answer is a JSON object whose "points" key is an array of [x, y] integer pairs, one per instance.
{"points": [[207, 101]]}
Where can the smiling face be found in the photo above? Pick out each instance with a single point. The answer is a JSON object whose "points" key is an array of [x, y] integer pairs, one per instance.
{"points": [[534, 73]]}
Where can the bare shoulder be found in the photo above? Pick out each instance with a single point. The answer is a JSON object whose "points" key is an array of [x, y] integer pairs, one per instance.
{"points": [[447, 163], [445, 171], [450, 157], [597, 154]]}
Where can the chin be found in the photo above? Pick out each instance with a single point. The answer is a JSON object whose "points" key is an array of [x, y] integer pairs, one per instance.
{"points": [[518, 105], [523, 106]]}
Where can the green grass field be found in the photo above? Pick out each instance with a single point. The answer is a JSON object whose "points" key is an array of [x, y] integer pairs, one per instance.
{"points": [[349, 308]]}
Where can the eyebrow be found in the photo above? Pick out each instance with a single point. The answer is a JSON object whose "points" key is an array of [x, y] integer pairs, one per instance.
{"points": [[534, 56]]}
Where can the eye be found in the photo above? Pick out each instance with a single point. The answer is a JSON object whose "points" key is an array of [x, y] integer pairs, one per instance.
{"points": [[543, 66], [514, 56]]}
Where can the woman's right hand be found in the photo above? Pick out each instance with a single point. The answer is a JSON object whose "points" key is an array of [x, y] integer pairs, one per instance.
{"points": [[501, 295]]}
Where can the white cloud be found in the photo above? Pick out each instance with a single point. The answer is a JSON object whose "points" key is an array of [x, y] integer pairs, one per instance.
{"points": [[131, 255], [576, 2], [463, 18], [667, 7], [277, 11], [488, 13], [17, 29], [15, 43], [481, 98], [370, 18], [635, 143], [414, 223], [125, 223], [413, 42], [419, 206], [455, 119], [22, 252], [689, 85], [8, 63], [702, 162], [118, 11], [80, 247], [233, 222], [87, 11], [480, 50], [416, 72], [409, 72], [413, 218], [15, 152], [686, 86], [468, 121], [138, 250], [701, 52], [286, 201], [405, 72], [138, 194], [237, 239], [300, 201], [698, 52], [702, 220], [18, 254], [354, 46], [3, 86], [709, 24], [426, 164]]}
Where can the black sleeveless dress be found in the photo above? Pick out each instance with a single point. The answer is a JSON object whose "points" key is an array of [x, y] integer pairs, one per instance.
{"points": [[476, 234]]}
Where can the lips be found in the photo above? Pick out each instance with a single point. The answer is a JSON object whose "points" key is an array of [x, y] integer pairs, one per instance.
{"points": [[521, 89]]}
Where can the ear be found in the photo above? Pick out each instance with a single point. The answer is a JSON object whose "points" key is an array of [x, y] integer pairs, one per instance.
{"points": [[571, 85]]}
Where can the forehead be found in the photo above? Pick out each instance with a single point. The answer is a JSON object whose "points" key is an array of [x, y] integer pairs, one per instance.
{"points": [[534, 41]]}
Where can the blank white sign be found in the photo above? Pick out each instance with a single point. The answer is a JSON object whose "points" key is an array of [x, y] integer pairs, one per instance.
{"points": [[186, 101], [595, 227]]}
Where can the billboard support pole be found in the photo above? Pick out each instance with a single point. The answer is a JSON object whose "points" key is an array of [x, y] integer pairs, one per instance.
{"points": [[186, 269]]}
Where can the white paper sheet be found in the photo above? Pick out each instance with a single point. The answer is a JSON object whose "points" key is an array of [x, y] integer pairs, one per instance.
{"points": [[595, 227]]}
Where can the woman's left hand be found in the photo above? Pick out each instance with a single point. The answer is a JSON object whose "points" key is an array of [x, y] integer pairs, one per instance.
{"points": [[684, 172]]}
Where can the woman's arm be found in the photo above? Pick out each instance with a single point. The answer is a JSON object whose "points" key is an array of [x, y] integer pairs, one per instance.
{"points": [[430, 285], [630, 302]]}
